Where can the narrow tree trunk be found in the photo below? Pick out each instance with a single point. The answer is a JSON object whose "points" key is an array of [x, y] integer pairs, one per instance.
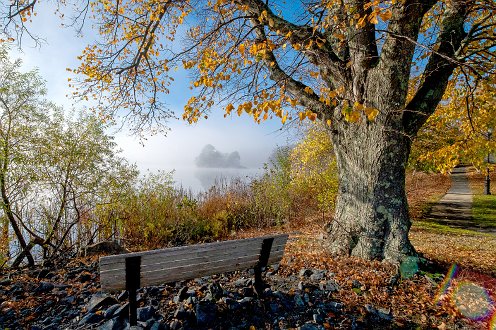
{"points": [[26, 252], [371, 219], [4, 238]]}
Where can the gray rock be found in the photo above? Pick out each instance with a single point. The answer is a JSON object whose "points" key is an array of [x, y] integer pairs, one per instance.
{"points": [[310, 326], [208, 297], [44, 287], [191, 301], [330, 285], [305, 272], [100, 300], [123, 295], [122, 311], [335, 306], [317, 275], [301, 286], [145, 313], [109, 313], [175, 325], [356, 284], [105, 247], [231, 303], [206, 314], [90, 318], [381, 314], [113, 324], [216, 290], [318, 318], [245, 300], [157, 326], [242, 282], [181, 295], [181, 313], [299, 300]]}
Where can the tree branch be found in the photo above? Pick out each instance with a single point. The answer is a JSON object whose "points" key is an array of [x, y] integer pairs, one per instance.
{"points": [[438, 69], [277, 74]]}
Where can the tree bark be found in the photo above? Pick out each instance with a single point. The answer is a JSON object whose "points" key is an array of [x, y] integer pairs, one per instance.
{"points": [[371, 218], [10, 216]]}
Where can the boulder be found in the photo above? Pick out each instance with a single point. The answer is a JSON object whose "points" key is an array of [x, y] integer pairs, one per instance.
{"points": [[105, 247]]}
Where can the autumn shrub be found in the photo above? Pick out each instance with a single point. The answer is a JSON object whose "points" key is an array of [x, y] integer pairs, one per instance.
{"points": [[151, 213], [272, 197], [314, 180], [296, 182], [228, 205]]}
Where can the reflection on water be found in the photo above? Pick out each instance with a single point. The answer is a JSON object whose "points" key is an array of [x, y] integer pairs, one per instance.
{"points": [[202, 179]]}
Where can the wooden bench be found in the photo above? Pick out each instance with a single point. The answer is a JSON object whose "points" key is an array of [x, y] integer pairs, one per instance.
{"points": [[134, 270]]}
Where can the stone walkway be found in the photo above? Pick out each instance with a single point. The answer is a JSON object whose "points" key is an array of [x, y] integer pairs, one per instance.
{"points": [[455, 208]]}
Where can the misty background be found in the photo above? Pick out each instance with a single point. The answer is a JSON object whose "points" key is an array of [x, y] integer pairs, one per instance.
{"points": [[249, 144]]}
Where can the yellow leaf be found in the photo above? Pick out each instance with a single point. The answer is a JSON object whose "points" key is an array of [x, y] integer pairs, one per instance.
{"points": [[229, 108], [373, 18], [308, 90], [358, 106], [386, 15], [371, 113]]}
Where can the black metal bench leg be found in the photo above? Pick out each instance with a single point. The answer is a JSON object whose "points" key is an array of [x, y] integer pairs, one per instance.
{"points": [[133, 269], [262, 262]]}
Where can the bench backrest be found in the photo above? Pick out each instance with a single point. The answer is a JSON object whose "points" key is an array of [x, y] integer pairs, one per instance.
{"points": [[188, 262]]}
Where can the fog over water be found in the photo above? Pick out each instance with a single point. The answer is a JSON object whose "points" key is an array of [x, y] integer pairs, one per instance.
{"points": [[197, 166]]}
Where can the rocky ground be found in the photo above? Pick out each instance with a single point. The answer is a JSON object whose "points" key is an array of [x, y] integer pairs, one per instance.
{"points": [[70, 299], [309, 290]]}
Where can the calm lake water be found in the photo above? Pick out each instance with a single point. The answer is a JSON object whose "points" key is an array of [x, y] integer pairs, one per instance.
{"points": [[201, 179]]}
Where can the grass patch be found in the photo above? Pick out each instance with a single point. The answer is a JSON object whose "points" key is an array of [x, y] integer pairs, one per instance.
{"points": [[444, 229], [446, 246], [484, 210]]}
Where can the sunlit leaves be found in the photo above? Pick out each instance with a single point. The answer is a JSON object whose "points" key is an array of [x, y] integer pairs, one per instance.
{"points": [[457, 133], [314, 168], [128, 69], [236, 51]]}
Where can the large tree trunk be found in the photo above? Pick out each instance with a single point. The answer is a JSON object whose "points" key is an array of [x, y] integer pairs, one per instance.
{"points": [[371, 219]]}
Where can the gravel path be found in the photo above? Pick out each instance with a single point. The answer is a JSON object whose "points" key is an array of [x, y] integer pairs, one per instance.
{"points": [[455, 208]]}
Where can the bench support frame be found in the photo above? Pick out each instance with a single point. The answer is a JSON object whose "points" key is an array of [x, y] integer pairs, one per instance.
{"points": [[262, 263], [133, 270]]}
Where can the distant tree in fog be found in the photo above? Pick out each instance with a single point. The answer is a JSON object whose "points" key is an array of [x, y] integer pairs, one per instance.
{"points": [[212, 158]]}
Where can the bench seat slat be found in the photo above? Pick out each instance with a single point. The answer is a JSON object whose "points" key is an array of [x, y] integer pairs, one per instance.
{"points": [[194, 257], [116, 281], [181, 250], [226, 259], [188, 262]]}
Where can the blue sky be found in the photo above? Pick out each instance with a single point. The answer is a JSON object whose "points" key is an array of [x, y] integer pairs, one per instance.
{"points": [[184, 142]]}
